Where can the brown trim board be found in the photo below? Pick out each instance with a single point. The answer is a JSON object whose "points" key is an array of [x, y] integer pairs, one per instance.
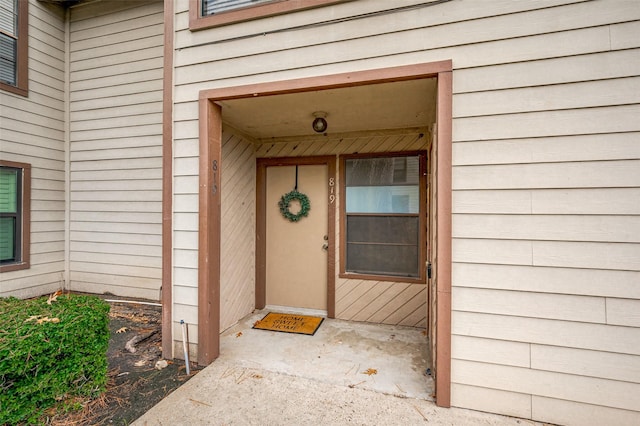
{"points": [[209, 225], [261, 228], [167, 184], [210, 117], [443, 240], [277, 7]]}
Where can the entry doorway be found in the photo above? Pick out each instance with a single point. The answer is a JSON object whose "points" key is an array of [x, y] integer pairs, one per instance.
{"points": [[211, 106], [295, 260], [296, 253]]}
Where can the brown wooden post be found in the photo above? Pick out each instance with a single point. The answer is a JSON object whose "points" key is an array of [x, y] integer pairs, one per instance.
{"points": [[210, 124], [443, 262]]}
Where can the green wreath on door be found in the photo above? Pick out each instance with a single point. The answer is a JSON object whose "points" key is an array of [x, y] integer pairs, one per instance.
{"points": [[285, 205]]}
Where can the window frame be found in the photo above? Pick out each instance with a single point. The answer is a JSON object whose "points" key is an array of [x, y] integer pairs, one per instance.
{"points": [[25, 215], [22, 52], [247, 13], [422, 219]]}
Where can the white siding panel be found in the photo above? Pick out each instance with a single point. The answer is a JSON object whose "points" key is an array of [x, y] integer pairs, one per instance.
{"points": [[620, 201], [510, 252], [625, 35], [491, 351], [533, 305], [185, 258], [588, 390], [186, 277], [596, 174], [624, 312], [479, 201], [548, 227], [587, 282], [185, 221], [548, 332], [587, 255], [619, 146], [571, 413], [607, 365], [491, 400]]}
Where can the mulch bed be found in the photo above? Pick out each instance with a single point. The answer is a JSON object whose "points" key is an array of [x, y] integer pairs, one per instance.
{"points": [[135, 385]]}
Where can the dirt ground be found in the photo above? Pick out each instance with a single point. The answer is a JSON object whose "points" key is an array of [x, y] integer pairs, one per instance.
{"points": [[134, 384]]}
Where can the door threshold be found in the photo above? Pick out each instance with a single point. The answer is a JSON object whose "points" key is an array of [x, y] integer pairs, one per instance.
{"points": [[294, 310]]}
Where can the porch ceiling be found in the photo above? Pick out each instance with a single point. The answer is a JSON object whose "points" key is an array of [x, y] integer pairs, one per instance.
{"points": [[394, 105]]}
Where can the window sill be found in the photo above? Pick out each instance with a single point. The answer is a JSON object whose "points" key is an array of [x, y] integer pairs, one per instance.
{"points": [[389, 278], [197, 22], [14, 89], [14, 266]]}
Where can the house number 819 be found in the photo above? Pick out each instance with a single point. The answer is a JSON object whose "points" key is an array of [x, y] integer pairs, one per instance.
{"points": [[332, 196]]}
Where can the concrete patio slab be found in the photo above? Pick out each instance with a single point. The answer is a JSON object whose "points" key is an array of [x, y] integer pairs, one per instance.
{"points": [[347, 373]]}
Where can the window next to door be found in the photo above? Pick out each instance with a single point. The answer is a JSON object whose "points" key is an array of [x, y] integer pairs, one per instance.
{"points": [[383, 212], [14, 15], [15, 195]]}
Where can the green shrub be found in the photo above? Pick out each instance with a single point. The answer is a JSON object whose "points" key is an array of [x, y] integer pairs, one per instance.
{"points": [[50, 351]]}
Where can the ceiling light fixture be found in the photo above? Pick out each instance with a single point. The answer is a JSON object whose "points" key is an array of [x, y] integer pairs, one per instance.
{"points": [[319, 124]]}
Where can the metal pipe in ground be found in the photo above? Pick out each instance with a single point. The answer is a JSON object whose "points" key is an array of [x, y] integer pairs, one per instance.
{"points": [[185, 345]]}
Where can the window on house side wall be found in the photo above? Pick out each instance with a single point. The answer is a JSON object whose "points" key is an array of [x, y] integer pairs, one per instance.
{"points": [[382, 213], [213, 13], [13, 46], [15, 193], [211, 7]]}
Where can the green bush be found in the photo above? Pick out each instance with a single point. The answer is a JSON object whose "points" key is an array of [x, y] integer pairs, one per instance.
{"points": [[50, 351]]}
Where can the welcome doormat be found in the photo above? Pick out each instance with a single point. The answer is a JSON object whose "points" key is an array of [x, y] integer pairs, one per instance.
{"points": [[289, 323]]}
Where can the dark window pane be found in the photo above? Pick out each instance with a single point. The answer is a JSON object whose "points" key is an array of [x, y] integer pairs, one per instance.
{"points": [[7, 239], [383, 229], [383, 245], [8, 59], [400, 261], [211, 7]]}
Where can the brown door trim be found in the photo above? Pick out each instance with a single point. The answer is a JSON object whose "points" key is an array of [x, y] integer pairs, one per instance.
{"points": [[261, 225], [210, 119]]}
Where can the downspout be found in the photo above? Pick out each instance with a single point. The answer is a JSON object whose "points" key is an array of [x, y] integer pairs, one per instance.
{"points": [[66, 283]]}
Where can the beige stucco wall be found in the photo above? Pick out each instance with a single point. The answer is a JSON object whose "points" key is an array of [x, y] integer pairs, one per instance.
{"points": [[546, 179]]}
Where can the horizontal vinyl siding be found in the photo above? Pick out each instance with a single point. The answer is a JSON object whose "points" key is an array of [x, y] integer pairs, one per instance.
{"points": [[546, 178], [116, 148], [546, 185], [32, 131]]}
